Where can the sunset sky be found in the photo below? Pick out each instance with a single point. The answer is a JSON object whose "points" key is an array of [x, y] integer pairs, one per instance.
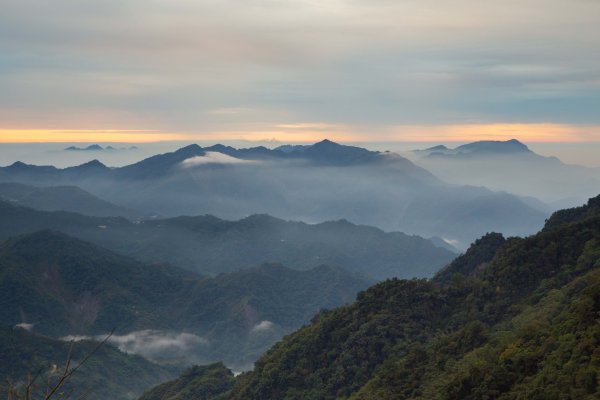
{"points": [[422, 70]]}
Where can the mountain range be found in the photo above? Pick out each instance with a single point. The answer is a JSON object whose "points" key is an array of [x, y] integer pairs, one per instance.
{"points": [[97, 147], [320, 182], [209, 245], [512, 167], [511, 318]]}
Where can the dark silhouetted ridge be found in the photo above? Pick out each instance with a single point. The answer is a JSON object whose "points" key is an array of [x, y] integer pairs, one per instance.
{"points": [[590, 210]]}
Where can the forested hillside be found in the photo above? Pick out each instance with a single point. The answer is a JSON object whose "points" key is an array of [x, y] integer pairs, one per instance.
{"points": [[61, 286], [523, 324]]}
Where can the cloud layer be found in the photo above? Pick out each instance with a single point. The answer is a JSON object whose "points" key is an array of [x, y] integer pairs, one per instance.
{"points": [[264, 67]]}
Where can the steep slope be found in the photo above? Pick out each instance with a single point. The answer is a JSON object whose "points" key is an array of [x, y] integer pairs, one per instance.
{"points": [[525, 326], [102, 377], [210, 245], [62, 198]]}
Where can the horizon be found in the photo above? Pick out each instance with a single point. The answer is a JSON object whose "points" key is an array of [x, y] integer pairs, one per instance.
{"points": [[464, 133], [51, 153]]}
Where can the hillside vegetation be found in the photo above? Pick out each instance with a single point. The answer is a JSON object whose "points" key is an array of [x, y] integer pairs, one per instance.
{"points": [[521, 324], [108, 374], [62, 286]]}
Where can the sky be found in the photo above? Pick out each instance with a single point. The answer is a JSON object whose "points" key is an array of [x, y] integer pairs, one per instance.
{"points": [[299, 70]]}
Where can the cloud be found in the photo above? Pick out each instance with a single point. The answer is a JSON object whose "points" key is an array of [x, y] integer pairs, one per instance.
{"points": [[452, 242], [153, 344], [25, 326], [262, 326], [208, 67], [214, 157]]}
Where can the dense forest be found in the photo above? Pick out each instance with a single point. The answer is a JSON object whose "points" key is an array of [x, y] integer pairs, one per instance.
{"points": [[514, 318], [61, 287]]}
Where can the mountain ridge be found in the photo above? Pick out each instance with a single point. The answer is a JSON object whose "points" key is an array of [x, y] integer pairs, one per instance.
{"points": [[513, 168], [210, 245], [323, 181], [62, 198], [478, 148]]}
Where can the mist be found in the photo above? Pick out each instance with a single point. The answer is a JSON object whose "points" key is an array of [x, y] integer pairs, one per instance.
{"points": [[155, 345], [392, 194], [545, 178]]}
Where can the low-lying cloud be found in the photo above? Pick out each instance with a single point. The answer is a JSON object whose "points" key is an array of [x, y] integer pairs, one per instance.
{"points": [[158, 346], [214, 157], [262, 326], [25, 326]]}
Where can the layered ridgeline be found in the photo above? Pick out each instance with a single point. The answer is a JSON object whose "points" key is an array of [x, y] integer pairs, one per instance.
{"points": [[510, 165], [209, 245], [62, 198], [108, 373], [321, 182], [510, 319], [62, 287]]}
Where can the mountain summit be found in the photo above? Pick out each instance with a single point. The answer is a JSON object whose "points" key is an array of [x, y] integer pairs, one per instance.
{"points": [[329, 152], [479, 148]]}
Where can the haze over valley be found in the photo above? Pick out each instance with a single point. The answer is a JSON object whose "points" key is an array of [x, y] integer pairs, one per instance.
{"points": [[313, 183]]}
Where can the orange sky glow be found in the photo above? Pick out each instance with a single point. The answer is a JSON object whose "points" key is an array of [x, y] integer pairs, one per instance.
{"points": [[310, 132]]}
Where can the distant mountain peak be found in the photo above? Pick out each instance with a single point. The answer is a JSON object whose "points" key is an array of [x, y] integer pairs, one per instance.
{"points": [[481, 147], [19, 166], [493, 146], [326, 142], [189, 148], [438, 147], [219, 147], [94, 164], [92, 147], [334, 153], [262, 218]]}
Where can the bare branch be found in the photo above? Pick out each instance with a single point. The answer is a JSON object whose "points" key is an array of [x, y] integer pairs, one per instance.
{"points": [[68, 373]]}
